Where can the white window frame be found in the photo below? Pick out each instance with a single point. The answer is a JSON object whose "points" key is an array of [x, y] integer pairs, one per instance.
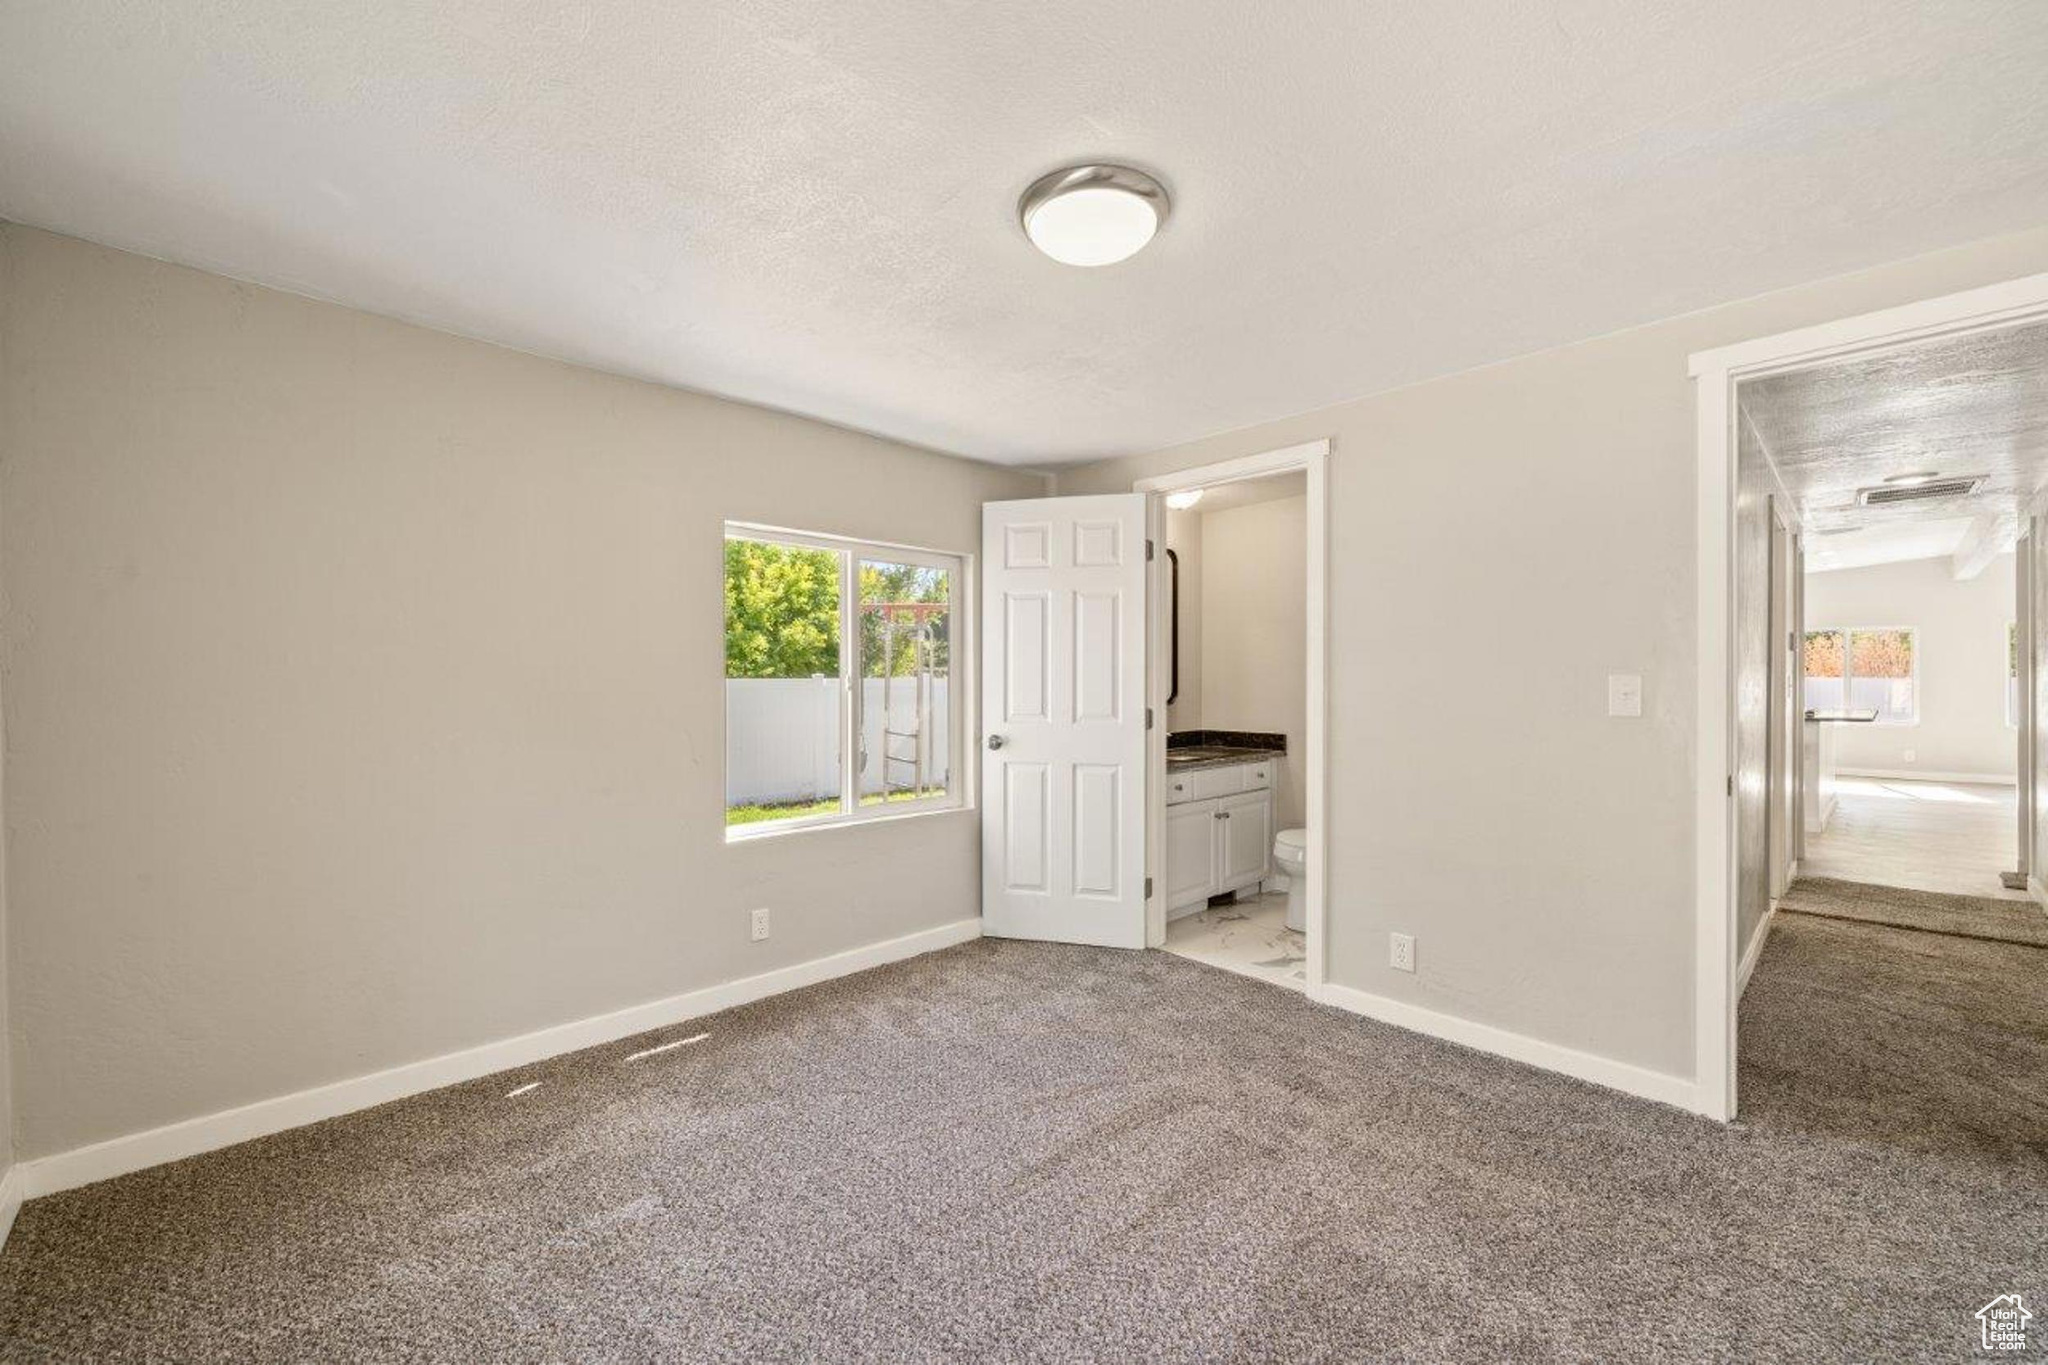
{"points": [[1849, 673], [960, 684]]}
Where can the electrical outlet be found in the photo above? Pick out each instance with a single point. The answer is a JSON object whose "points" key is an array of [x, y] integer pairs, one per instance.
{"points": [[760, 925], [1401, 952]]}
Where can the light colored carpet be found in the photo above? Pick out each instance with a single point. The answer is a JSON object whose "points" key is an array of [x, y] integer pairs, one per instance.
{"points": [[1012, 1151], [1934, 912]]}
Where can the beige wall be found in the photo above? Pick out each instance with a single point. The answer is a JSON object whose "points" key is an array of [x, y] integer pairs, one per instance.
{"points": [[1255, 633], [1537, 515], [1959, 637], [362, 684], [7, 1114], [364, 691]]}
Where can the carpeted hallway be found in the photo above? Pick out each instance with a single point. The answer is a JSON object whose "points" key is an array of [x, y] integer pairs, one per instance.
{"points": [[1935, 912], [1014, 1151]]}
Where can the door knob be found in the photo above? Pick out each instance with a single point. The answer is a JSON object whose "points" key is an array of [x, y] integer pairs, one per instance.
{"points": [[996, 741]]}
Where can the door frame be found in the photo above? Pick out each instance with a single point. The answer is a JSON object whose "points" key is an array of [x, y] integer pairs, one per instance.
{"points": [[1313, 458], [2024, 627], [1780, 750], [1796, 723], [1715, 374]]}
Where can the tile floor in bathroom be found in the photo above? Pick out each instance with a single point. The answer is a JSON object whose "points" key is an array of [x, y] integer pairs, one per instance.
{"points": [[1250, 938]]}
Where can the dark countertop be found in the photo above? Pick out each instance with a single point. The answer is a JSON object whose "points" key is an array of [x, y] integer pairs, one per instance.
{"points": [[1213, 756], [1843, 717]]}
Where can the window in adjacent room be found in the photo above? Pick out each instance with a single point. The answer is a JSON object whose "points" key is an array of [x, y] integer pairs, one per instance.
{"points": [[839, 680], [1864, 669]]}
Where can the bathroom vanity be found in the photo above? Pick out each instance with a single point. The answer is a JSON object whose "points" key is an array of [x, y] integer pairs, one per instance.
{"points": [[1219, 823]]}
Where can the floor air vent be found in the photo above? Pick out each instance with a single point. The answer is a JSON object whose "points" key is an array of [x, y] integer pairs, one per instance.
{"points": [[1884, 495]]}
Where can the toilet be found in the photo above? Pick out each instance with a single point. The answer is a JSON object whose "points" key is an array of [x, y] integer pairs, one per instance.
{"points": [[1290, 851]]}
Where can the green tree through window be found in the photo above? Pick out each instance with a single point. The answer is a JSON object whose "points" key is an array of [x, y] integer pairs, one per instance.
{"points": [[781, 610]]}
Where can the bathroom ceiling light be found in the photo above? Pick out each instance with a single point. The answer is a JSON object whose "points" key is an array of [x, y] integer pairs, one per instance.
{"points": [[1092, 215], [1912, 480], [1183, 500]]}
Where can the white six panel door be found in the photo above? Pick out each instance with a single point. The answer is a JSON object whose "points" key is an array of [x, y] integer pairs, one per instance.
{"points": [[1063, 719]]}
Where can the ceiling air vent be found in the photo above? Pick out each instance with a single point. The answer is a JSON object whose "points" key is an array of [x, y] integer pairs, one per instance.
{"points": [[1886, 495]]}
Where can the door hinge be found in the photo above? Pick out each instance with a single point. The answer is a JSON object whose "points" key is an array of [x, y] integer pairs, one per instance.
{"points": [[1148, 549], [1731, 784], [1148, 718], [1148, 888]]}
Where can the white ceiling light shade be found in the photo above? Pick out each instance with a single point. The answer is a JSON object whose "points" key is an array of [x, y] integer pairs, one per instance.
{"points": [[1183, 500], [1093, 215]]}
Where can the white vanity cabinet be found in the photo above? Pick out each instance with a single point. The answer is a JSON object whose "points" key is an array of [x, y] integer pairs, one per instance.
{"points": [[1219, 830], [1247, 840]]}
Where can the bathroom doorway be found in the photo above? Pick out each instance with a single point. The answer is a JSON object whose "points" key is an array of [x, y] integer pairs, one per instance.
{"points": [[1236, 687]]}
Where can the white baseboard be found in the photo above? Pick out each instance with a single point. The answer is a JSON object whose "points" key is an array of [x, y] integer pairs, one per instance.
{"points": [[1754, 951], [1623, 1076], [1817, 821], [1915, 774], [2037, 890], [10, 1201], [175, 1141]]}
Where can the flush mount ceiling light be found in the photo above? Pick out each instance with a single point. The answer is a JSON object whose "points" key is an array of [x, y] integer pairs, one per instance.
{"points": [[1183, 500], [1912, 480], [1092, 215]]}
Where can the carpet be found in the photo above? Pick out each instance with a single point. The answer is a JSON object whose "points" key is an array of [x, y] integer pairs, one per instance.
{"points": [[1934, 912], [1026, 1152]]}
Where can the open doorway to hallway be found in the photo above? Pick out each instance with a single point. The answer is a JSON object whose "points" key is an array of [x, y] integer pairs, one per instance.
{"points": [[1884, 499], [1938, 406], [1886, 722]]}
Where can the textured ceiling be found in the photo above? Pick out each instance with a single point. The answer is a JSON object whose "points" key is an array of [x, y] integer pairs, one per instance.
{"points": [[1886, 543], [812, 206], [1965, 406]]}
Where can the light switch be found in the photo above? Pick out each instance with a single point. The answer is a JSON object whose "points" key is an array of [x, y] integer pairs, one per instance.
{"points": [[1624, 694]]}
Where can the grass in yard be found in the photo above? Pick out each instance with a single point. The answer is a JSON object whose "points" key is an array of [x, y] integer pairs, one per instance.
{"points": [[796, 810], [754, 815]]}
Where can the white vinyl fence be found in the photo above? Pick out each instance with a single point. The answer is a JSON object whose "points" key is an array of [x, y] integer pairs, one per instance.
{"points": [[782, 737]]}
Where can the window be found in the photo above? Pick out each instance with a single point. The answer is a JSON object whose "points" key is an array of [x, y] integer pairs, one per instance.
{"points": [[1864, 669], [838, 680]]}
